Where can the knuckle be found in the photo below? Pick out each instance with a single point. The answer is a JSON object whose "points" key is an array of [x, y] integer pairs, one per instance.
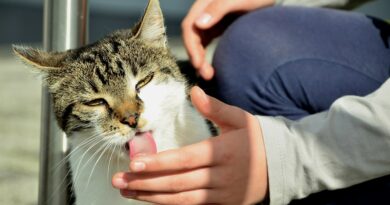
{"points": [[226, 157], [227, 177]]}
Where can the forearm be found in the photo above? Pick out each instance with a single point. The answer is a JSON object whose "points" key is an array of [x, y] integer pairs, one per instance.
{"points": [[348, 145], [322, 3]]}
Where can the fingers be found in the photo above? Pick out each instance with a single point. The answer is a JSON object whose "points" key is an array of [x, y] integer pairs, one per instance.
{"points": [[225, 116], [213, 13], [193, 44], [158, 182], [192, 36], [202, 16], [185, 158], [201, 196], [206, 71]]}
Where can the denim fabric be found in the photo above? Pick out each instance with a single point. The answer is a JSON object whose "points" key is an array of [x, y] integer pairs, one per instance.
{"points": [[295, 61]]}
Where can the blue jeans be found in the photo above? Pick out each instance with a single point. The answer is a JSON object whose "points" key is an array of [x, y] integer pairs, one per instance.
{"points": [[294, 61]]}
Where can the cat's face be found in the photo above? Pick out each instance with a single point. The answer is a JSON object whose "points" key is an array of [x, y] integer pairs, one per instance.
{"points": [[125, 84]]}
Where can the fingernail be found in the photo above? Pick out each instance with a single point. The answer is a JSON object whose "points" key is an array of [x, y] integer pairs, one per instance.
{"points": [[203, 19], [138, 166], [202, 95], [120, 183], [129, 193]]}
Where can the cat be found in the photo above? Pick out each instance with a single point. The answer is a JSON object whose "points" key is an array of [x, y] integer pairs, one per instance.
{"points": [[105, 95]]}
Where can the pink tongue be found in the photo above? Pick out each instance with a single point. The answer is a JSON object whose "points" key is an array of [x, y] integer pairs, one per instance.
{"points": [[142, 143]]}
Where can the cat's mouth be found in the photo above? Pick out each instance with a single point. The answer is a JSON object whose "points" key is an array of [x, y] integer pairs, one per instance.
{"points": [[141, 143]]}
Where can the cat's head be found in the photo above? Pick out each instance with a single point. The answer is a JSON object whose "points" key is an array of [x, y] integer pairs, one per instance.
{"points": [[126, 83]]}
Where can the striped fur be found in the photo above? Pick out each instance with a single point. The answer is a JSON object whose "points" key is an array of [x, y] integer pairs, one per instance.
{"points": [[106, 92]]}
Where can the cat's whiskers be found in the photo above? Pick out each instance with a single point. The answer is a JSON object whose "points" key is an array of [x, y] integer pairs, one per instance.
{"points": [[91, 145], [80, 170], [95, 142], [66, 158], [84, 143], [117, 158], [77, 172], [128, 73], [87, 141], [109, 160], [106, 146], [60, 185]]}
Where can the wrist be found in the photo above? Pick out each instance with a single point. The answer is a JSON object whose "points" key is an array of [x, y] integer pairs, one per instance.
{"points": [[259, 175]]}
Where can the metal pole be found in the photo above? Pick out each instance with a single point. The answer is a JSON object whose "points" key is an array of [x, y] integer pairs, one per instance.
{"points": [[65, 27]]}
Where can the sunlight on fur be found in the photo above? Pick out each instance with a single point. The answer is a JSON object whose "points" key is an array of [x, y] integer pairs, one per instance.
{"points": [[125, 86]]}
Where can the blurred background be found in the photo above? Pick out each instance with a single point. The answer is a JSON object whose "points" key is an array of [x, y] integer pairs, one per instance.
{"points": [[20, 90]]}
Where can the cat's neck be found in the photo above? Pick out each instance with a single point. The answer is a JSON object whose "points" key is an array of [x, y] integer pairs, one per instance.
{"points": [[187, 127]]}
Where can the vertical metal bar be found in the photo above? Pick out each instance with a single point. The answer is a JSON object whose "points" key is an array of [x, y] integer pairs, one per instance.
{"points": [[65, 27]]}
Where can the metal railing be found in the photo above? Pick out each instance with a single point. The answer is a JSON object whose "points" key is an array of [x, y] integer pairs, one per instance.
{"points": [[65, 27]]}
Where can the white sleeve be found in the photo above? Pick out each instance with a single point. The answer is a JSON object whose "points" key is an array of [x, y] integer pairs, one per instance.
{"points": [[345, 146], [321, 3]]}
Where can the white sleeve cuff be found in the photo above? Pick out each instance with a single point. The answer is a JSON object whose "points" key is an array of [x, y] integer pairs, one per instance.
{"points": [[274, 130]]}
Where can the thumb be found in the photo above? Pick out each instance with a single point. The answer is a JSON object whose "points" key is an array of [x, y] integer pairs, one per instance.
{"points": [[212, 14], [227, 117]]}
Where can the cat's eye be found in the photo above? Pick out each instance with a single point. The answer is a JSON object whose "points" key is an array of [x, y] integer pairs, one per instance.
{"points": [[97, 102], [144, 82]]}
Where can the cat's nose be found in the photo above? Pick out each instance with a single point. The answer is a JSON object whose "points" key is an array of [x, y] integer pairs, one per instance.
{"points": [[131, 120]]}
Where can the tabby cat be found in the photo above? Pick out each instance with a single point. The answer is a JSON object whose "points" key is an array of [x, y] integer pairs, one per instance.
{"points": [[114, 95]]}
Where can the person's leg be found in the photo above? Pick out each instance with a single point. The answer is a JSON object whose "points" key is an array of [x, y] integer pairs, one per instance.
{"points": [[296, 61]]}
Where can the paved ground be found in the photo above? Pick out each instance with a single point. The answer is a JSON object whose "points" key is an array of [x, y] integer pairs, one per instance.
{"points": [[20, 93], [19, 131]]}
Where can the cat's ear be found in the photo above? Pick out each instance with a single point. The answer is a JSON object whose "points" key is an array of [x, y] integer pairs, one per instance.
{"points": [[43, 61], [151, 28]]}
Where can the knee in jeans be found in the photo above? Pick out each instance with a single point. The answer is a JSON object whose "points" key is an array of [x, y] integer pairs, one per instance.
{"points": [[255, 37]]}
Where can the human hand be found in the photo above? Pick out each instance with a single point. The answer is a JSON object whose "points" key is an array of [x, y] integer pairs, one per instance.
{"points": [[204, 22], [227, 169]]}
